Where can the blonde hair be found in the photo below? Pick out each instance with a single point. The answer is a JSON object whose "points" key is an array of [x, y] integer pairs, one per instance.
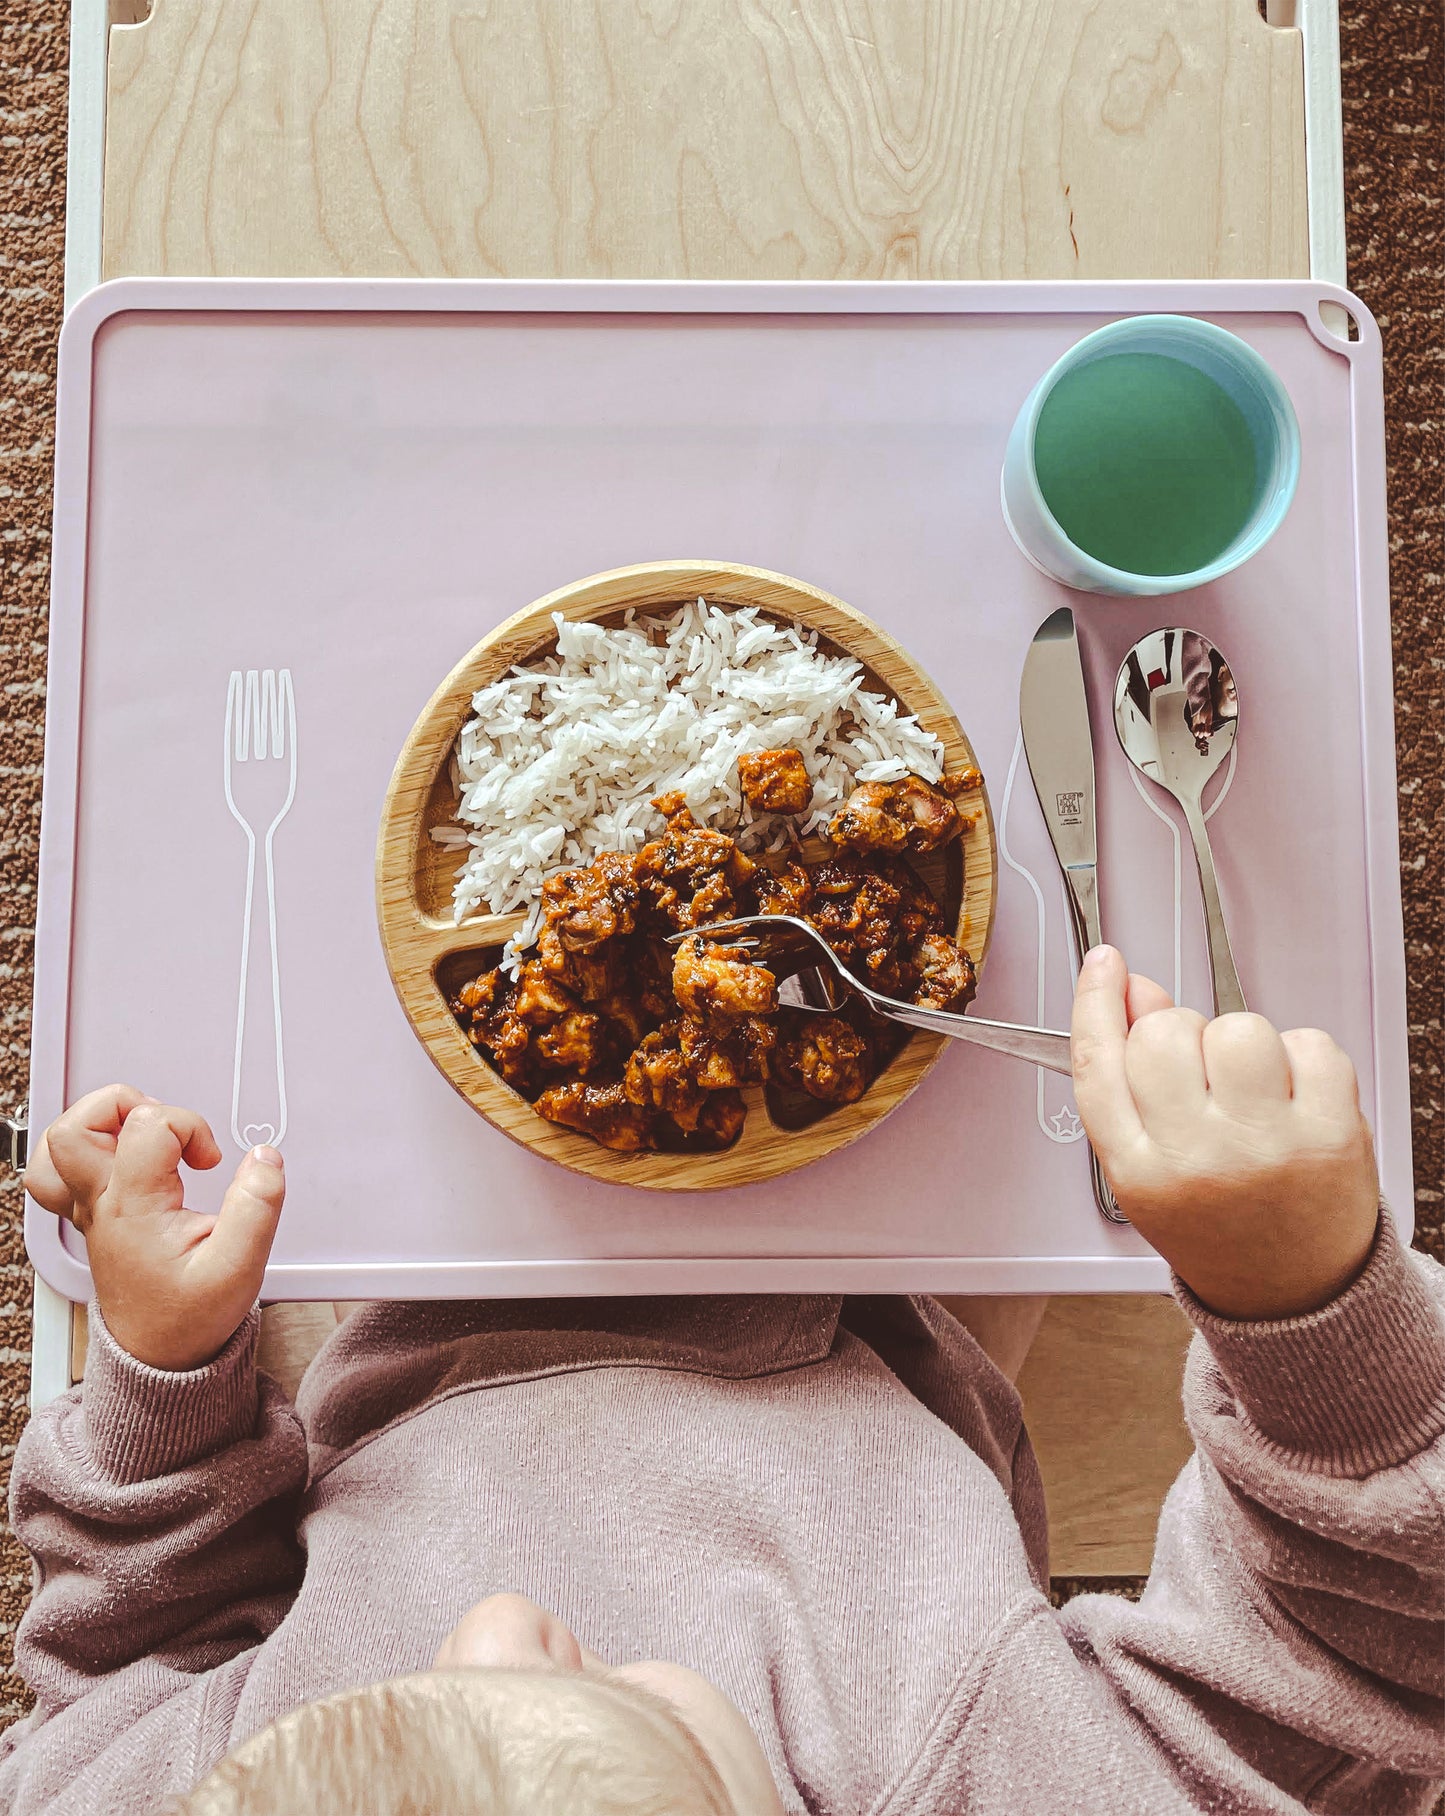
{"points": [[470, 1743]]}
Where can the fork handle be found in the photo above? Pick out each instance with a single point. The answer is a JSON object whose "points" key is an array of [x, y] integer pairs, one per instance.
{"points": [[1039, 1046]]}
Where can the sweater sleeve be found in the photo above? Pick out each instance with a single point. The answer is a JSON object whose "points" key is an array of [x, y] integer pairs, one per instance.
{"points": [[1290, 1638], [160, 1512]]}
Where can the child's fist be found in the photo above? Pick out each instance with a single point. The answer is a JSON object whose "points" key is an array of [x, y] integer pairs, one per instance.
{"points": [[173, 1284], [1239, 1152]]}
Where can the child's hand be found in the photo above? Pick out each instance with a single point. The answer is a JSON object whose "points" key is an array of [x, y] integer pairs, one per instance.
{"points": [[1239, 1152], [173, 1284]]}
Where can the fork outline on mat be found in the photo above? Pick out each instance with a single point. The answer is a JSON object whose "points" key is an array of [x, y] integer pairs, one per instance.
{"points": [[260, 726]]}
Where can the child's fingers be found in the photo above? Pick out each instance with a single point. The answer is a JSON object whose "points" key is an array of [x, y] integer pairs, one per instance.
{"points": [[202, 1150], [1100, 1032], [1247, 1066], [153, 1141], [80, 1144], [44, 1183], [1145, 997], [1323, 1079], [1164, 1064], [239, 1244]]}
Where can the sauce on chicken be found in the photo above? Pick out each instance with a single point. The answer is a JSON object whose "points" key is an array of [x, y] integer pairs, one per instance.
{"points": [[775, 781], [641, 1045]]}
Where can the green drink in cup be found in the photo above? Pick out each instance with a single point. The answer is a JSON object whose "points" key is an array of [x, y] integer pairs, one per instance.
{"points": [[1159, 453]]}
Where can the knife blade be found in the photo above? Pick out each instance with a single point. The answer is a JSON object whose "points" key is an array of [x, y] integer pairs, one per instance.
{"points": [[1059, 745]]}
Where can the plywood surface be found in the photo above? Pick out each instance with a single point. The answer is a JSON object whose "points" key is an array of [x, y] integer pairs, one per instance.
{"points": [[742, 139], [1101, 1392], [706, 139]]}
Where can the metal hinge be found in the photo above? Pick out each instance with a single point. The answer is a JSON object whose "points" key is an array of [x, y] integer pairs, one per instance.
{"points": [[15, 1142]]}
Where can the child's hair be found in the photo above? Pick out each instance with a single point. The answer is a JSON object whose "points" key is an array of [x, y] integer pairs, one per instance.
{"points": [[470, 1743]]}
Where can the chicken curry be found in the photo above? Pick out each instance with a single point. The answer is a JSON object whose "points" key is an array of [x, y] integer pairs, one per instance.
{"points": [[608, 1029]]}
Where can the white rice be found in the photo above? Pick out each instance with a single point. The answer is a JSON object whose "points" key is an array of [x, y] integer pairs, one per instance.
{"points": [[561, 760]]}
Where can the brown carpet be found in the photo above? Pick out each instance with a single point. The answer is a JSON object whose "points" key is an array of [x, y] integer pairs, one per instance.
{"points": [[1393, 136], [32, 202], [1393, 87]]}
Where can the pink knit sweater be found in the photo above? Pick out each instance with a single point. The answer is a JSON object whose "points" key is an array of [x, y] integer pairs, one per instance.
{"points": [[830, 1507]]}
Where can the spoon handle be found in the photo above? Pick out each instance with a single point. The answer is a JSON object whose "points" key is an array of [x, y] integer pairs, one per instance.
{"points": [[1228, 997]]}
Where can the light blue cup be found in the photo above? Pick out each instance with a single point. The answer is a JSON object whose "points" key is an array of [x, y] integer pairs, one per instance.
{"points": [[1240, 374]]}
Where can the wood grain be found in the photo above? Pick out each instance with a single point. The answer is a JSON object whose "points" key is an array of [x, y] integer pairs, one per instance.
{"points": [[744, 139], [706, 139], [412, 880], [1101, 1392]]}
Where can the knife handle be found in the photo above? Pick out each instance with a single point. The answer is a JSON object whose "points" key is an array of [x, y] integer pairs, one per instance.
{"points": [[1103, 1197], [1083, 884], [1084, 895]]}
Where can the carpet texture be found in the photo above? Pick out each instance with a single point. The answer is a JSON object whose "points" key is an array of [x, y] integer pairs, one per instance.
{"points": [[1392, 84], [32, 202]]}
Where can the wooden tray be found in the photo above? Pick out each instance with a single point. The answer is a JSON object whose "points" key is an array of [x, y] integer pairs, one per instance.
{"points": [[361, 479], [414, 874]]}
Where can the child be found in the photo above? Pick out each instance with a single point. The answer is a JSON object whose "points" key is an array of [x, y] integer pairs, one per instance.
{"points": [[826, 1510]]}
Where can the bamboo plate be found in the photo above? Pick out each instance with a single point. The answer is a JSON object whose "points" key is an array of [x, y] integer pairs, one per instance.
{"points": [[425, 950]]}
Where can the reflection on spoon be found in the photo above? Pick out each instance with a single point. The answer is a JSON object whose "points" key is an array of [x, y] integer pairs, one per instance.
{"points": [[1176, 710]]}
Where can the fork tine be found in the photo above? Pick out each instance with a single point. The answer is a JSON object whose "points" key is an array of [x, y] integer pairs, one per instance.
{"points": [[260, 714], [720, 932], [269, 742], [253, 742], [235, 719], [813, 990], [285, 713], [768, 937], [749, 932]]}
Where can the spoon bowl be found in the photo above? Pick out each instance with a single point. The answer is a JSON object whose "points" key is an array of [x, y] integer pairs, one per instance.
{"points": [[1176, 710]]}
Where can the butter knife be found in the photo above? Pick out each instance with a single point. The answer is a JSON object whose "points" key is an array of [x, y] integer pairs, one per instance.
{"points": [[1059, 744]]}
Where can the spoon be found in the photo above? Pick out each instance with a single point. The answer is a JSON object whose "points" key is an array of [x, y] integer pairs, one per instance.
{"points": [[1177, 712]]}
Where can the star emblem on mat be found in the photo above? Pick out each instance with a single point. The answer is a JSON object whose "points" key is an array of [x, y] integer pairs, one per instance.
{"points": [[1066, 1125]]}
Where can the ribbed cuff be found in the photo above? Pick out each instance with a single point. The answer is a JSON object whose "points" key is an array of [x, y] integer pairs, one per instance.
{"points": [[1359, 1384], [143, 1422]]}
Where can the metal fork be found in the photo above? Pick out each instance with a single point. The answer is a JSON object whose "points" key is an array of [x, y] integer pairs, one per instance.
{"points": [[818, 988], [260, 765]]}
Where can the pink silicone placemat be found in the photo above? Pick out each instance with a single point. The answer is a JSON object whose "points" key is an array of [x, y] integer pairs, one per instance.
{"points": [[354, 481]]}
